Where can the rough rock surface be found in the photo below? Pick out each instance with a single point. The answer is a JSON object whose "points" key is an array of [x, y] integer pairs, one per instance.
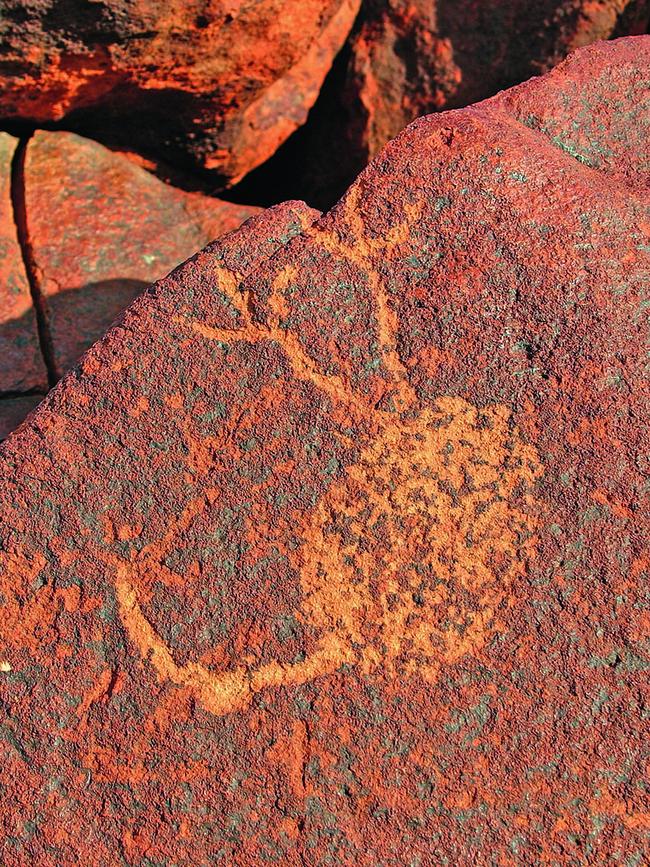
{"points": [[407, 58], [220, 83], [335, 550], [412, 57], [99, 230], [21, 364], [117, 229]]}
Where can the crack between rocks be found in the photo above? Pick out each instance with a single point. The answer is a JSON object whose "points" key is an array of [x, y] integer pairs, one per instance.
{"points": [[18, 201], [31, 392]]}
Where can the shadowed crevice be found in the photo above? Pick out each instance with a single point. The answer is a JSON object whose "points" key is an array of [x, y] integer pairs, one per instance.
{"points": [[22, 231], [28, 392]]}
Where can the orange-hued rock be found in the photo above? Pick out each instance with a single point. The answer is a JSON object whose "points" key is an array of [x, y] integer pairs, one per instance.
{"points": [[101, 230], [216, 83], [407, 58], [412, 57], [21, 364], [335, 549]]}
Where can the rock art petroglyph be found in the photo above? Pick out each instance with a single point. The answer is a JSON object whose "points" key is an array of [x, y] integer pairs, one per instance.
{"points": [[403, 565]]}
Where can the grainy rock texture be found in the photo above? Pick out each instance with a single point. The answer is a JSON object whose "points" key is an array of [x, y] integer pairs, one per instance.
{"points": [[335, 550], [218, 83], [97, 230], [411, 57], [101, 229], [407, 58]]}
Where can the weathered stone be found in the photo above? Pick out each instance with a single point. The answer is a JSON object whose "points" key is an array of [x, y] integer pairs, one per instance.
{"points": [[218, 83], [101, 230], [21, 364], [596, 108], [335, 549], [412, 57], [407, 58]]}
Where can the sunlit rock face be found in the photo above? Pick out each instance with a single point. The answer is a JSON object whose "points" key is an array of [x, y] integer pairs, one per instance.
{"points": [[215, 84], [83, 231], [408, 58], [335, 549]]}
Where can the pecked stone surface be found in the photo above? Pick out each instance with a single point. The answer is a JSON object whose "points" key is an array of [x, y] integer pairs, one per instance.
{"points": [[335, 549], [407, 58], [101, 230], [216, 83], [21, 364]]}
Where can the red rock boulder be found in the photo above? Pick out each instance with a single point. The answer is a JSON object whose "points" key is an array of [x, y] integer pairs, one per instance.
{"points": [[97, 231], [412, 57], [218, 84], [116, 230], [407, 58], [335, 549], [21, 364]]}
